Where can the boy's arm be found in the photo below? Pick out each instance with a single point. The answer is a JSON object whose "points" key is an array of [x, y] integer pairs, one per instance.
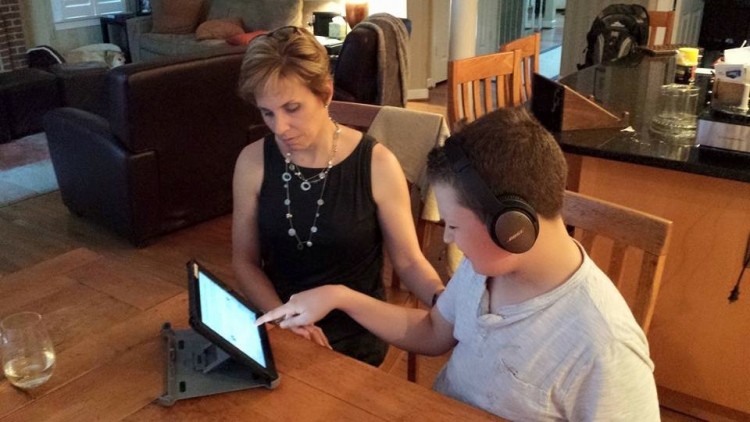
{"points": [[416, 330]]}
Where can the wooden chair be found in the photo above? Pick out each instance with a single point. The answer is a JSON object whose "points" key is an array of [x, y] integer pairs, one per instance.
{"points": [[612, 231], [355, 115], [660, 19], [362, 116], [479, 85], [529, 48]]}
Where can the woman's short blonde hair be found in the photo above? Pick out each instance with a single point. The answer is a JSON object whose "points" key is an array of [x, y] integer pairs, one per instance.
{"points": [[287, 52]]}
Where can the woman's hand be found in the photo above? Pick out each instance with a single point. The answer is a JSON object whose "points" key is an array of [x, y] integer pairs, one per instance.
{"points": [[313, 333], [304, 308]]}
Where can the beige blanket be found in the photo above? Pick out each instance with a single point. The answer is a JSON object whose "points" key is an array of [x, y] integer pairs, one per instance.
{"points": [[410, 135]]}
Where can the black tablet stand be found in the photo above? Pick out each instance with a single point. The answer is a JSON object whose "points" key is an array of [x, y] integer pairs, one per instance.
{"points": [[196, 367]]}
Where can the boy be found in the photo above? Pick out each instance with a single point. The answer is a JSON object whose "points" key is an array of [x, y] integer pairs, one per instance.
{"points": [[540, 333]]}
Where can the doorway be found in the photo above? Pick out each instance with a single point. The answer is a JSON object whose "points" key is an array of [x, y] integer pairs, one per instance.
{"points": [[501, 22]]}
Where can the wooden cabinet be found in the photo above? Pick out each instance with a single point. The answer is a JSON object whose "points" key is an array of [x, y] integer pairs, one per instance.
{"points": [[699, 341]]}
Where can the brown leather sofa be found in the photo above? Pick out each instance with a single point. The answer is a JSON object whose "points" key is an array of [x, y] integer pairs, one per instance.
{"points": [[161, 156], [25, 96]]}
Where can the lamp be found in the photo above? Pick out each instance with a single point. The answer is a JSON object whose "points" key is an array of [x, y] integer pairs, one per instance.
{"points": [[356, 12]]}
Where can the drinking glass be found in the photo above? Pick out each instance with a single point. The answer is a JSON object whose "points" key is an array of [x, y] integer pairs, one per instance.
{"points": [[676, 120], [27, 353]]}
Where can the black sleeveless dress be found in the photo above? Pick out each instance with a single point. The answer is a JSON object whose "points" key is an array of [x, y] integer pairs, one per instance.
{"points": [[347, 247]]}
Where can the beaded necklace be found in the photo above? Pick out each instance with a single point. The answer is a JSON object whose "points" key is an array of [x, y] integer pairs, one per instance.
{"points": [[305, 186]]}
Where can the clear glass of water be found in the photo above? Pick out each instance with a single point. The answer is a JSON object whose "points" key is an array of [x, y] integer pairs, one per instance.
{"points": [[27, 353]]}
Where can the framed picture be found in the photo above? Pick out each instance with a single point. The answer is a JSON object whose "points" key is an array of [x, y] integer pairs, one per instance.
{"points": [[144, 7]]}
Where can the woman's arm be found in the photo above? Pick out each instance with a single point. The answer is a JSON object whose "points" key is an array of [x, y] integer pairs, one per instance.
{"points": [[253, 282], [416, 330], [391, 193], [248, 176]]}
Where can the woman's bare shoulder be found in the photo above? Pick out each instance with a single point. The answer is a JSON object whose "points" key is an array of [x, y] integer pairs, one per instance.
{"points": [[252, 154], [383, 158]]}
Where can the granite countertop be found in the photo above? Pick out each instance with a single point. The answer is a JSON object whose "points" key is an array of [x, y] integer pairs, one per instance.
{"points": [[634, 147], [633, 86]]}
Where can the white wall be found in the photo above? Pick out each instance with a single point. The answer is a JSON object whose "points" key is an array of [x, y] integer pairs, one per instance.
{"points": [[394, 7]]}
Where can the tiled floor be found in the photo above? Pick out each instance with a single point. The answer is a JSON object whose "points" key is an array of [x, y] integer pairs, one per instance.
{"points": [[551, 48], [552, 37]]}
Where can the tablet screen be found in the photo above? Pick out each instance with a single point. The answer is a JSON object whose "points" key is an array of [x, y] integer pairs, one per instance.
{"points": [[222, 317], [230, 319]]}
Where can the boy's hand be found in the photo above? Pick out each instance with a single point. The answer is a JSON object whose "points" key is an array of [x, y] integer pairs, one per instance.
{"points": [[304, 308]]}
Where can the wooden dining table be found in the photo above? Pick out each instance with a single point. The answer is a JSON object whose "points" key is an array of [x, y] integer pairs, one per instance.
{"points": [[105, 317]]}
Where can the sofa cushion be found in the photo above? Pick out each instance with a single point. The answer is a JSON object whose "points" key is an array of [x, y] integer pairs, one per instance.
{"points": [[219, 29], [259, 14], [176, 16], [244, 38], [159, 45]]}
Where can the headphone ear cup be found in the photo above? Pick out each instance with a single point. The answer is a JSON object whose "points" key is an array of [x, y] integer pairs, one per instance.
{"points": [[515, 228]]}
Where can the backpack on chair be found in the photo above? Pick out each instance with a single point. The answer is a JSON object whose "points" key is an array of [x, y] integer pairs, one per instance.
{"points": [[615, 32]]}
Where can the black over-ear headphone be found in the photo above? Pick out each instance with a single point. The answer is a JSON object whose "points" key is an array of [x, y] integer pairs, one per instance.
{"points": [[514, 225]]}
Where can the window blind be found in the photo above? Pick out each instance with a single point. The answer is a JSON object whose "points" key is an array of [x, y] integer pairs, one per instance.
{"points": [[68, 10]]}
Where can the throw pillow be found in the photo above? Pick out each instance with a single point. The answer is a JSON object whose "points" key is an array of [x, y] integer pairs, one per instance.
{"points": [[176, 16], [244, 39], [219, 29]]}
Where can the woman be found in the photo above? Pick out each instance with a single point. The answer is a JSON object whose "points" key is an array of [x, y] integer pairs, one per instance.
{"points": [[314, 202]]}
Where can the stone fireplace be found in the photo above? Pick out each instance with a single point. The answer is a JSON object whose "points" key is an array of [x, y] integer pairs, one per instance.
{"points": [[12, 40]]}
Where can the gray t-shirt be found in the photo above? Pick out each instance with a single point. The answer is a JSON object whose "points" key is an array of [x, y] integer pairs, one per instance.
{"points": [[574, 353]]}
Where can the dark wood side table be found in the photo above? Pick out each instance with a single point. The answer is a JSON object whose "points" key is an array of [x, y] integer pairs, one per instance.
{"points": [[119, 21]]}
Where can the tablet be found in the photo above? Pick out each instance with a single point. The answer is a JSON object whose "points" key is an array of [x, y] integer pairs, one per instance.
{"points": [[224, 318]]}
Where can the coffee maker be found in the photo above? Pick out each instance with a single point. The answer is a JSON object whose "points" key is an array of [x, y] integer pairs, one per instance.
{"points": [[726, 123]]}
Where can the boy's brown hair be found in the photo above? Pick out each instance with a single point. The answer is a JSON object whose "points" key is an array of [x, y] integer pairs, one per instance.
{"points": [[513, 154], [287, 52]]}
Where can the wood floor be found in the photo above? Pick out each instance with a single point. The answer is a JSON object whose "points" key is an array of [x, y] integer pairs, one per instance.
{"points": [[436, 103]]}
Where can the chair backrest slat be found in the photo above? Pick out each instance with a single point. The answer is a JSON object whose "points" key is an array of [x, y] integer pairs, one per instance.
{"points": [[587, 239], [616, 262], [529, 46], [481, 72], [660, 19], [649, 281]]}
